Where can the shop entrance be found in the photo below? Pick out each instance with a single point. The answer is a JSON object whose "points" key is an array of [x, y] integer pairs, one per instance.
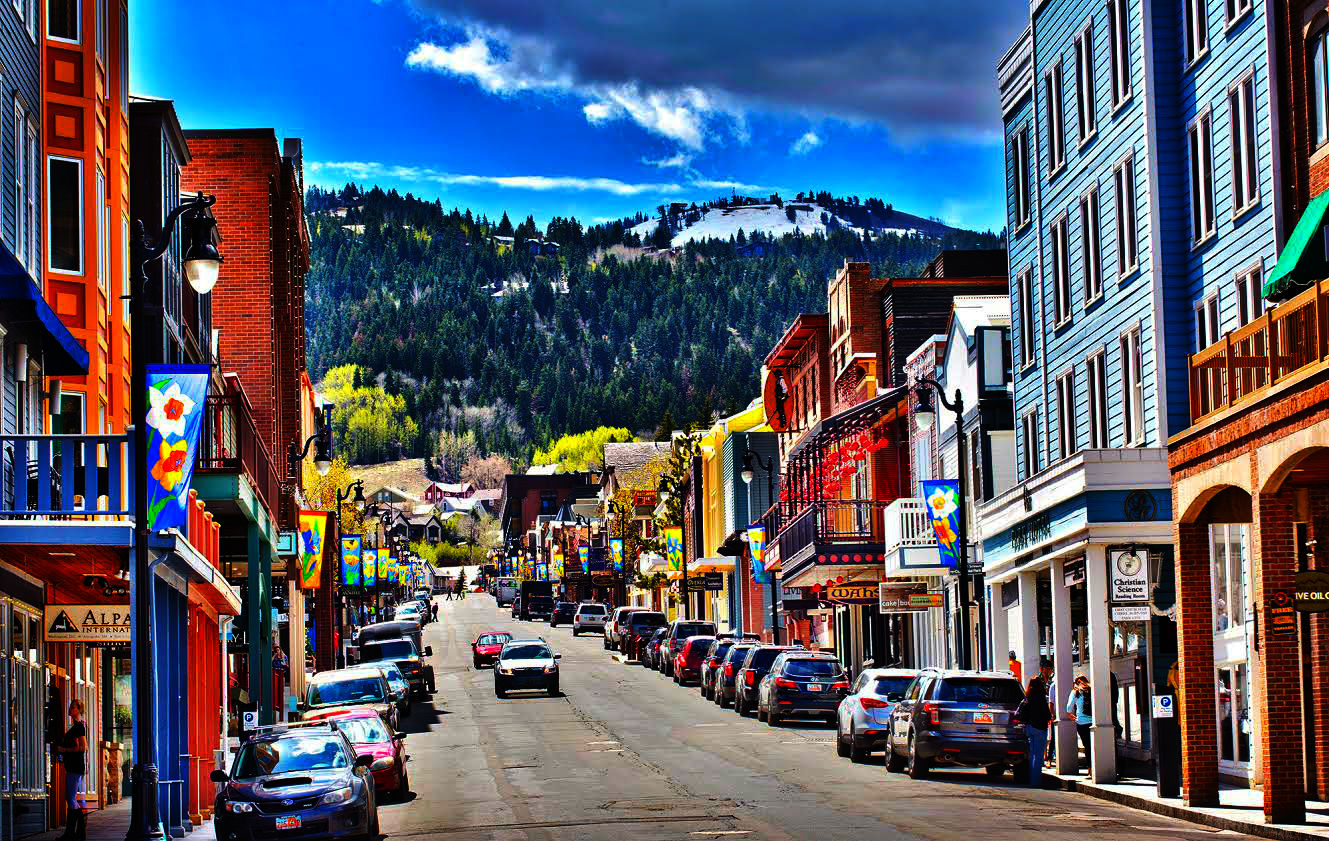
{"points": [[23, 755]]}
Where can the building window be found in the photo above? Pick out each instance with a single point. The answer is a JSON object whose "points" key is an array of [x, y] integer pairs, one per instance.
{"points": [[33, 158], [1200, 152], [1124, 196], [1237, 9], [1132, 389], [102, 31], [1085, 92], [1066, 432], [124, 274], [123, 60], [1241, 124], [1020, 170], [1206, 322], [1029, 432], [977, 489], [1061, 272], [1090, 247], [62, 20], [1119, 48], [1053, 102], [1096, 370], [64, 202], [1197, 31], [101, 234], [1027, 317], [20, 185], [1250, 304]]}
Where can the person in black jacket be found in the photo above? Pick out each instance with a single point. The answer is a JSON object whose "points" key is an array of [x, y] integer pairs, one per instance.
{"points": [[1035, 713], [73, 751]]}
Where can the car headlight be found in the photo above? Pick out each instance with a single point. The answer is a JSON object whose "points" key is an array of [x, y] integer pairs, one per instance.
{"points": [[552, 668], [239, 806], [381, 764], [504, 670], [341, 795]]}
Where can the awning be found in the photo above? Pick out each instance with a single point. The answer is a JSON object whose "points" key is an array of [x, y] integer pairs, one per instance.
{"points": [[22, 303], [717, 564], [1300, 264]]}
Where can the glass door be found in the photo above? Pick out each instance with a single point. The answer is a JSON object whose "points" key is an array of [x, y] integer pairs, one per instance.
{"points": [[1230, 565]]}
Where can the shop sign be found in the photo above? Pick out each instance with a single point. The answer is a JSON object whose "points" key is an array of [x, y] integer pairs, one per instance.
{"points": [[1033, 530], [1129, 576], [96, 623], [1282, 614], [1073, 572], [696, 583], [1130, 613], [1312, 591], [898, 599], [715, 581], [791, 594], [853, 593]]}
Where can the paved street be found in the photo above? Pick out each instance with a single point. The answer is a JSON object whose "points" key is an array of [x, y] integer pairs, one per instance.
{"points": [[627, 754]]}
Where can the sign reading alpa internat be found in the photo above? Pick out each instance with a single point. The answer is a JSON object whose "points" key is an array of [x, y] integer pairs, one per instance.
{"points": [[104, 623]]}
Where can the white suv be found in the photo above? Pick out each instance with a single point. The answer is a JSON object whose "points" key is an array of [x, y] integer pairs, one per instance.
{"points": [[589, 617]]}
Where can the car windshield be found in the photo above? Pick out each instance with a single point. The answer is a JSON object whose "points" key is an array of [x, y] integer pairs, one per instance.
{"points": [[762, 658], [345, 691], [372, 652], [986, 690], [722, 649], [493, 639], [408, 610], [596, 609], [737, 653], [647, 620], [290, 753], [893, 685], [813, 668], [693, 629], [526, 652], [363, 731], [543, 601]]}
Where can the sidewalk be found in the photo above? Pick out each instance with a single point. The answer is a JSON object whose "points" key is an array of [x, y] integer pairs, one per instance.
{"points": [[1240, 809], [112, 823]]}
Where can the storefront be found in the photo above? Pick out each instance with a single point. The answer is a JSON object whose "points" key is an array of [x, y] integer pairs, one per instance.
{"points": [[23, 692]]}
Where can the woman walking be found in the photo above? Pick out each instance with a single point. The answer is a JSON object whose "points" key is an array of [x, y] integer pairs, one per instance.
{"points": [[1035, 713], [73, 749], [1079, 708]]}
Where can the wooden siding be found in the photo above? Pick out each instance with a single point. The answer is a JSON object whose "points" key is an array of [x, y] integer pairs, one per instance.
{"points": [[20, 63]]}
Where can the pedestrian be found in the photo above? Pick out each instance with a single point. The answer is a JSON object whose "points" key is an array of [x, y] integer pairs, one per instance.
{"points": [[73, 749], [433, 611], [448, 593], [1045, 672], [1079, 708], [1035, 713], [1013, 664]]}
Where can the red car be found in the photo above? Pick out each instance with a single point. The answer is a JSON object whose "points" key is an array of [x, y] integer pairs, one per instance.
{"points": [[485, 649], [370, 735], [687, 662]]}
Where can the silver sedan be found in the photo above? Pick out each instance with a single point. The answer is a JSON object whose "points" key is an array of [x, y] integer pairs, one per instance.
{"points": [[863, 719]]}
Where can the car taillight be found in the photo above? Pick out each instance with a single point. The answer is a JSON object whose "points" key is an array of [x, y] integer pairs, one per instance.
{"points": [[728, 669], [785, 683], [713, 662], [934, 714], [873, 703], [840, 685], [749, 678]]}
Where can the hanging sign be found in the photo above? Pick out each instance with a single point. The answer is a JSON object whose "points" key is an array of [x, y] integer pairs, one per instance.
{"points": [[616, 553], [1282, 614], [1130, 613], [673, 536], [853, 593], [714, 581], [313, 527], [757, 544], [369, 566], [778, 400], [1128, 573], [176, 396], [942, 497], [1312, 591], [99, 623], [350, 560], [896, 599]]}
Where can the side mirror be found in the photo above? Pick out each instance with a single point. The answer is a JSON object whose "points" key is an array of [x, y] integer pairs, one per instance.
{"points": [[219, 776], [401, 737], [301, 706], [364, 760], [429, 651], [558, 656]]}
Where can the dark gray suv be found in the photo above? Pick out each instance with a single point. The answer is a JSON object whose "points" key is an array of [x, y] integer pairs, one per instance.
{"points": [[962, 718]]}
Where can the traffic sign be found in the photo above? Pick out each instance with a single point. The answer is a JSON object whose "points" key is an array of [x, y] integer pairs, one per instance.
{"points": [[1163, 707]]}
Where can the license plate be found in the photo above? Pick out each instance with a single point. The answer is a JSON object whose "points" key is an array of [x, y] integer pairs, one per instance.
{"points": [[982, 718], [289, 822], [814, 687]]}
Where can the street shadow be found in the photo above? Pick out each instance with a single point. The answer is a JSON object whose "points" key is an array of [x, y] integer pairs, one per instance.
{"points": [[423, 717]]}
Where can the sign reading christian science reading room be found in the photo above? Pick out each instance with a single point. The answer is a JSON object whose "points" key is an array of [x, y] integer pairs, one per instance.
{"points": [[104, 623], [1128, 576]]}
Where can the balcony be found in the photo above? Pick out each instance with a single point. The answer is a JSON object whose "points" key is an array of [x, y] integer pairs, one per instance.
{"points": [[820, 540], [1284, 343], [911, 544], [65, 477], [230, 445]]}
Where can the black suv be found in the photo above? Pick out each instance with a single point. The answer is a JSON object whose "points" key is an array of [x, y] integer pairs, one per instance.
{"points": [[722, 686], [710, 665], [801, 684], [638, 628], [679, 631], [563, 612], [539, 607], [749, 675], [963, 718]]}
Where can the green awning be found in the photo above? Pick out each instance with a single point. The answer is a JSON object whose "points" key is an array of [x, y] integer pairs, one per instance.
{"points": [[1299, 264]]}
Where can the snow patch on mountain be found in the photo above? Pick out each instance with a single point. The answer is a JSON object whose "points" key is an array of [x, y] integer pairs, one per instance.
{"points": [[773, 220]]}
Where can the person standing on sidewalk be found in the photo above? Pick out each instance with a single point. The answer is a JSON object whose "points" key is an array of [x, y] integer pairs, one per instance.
{"points": [[1079, 708], [1035, 713], [73, 750]]}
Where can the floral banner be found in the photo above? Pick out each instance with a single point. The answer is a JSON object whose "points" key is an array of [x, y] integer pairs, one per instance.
{"points": [[350, 560], [313, 528], [616, 552], [582, 553], [369, 565], [673, 536], [556, 561], [757, 545], [176, 395], [943, 501]]}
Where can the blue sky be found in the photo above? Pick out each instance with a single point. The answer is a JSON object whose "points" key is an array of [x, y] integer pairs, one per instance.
{"points": [[600, 108]]}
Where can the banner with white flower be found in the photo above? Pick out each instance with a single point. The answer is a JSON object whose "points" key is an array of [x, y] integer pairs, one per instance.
{"points": [[943, 502], [756, 536], [176, 396]]}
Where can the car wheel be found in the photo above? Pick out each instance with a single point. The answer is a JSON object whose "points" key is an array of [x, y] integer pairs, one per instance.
{"points": [[894, 762], [858, 752], [476, 662], [772, 717], [841, 747], [720, 700], [604, 643], [404, 790], [761, 713], [432, 689], [918, 766], [996, 772], [499, 691]]}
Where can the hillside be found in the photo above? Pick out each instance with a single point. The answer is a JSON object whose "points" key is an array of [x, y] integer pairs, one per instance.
{"points": [[512, 335]]}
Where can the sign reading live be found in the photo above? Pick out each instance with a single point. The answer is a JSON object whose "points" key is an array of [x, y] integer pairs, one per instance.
{"points": [[853, 593], [1312, 591], [99, 623]]}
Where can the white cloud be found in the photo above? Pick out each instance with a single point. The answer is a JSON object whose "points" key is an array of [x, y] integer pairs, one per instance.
{"points": [[541, 183], [805, 144], [527, 66], [680, 160], [736, 186]]}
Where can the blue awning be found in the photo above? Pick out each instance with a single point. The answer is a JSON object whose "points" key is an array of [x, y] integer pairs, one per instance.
{"points": [[22, 305]]}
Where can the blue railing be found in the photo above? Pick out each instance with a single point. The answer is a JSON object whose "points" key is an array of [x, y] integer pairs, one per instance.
{"points": [[65, 476]]}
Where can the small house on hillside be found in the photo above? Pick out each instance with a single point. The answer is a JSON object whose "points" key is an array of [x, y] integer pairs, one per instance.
{"points": [[437, 492]]}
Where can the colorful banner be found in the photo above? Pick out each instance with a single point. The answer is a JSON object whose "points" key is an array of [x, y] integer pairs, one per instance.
{"points": [[556, 562], [616, 553], [313, 529], [757, 545], [542, 571], [673, 536], [350, 560], [943, 502], [369, 565], [176, 397], [583, 552]]}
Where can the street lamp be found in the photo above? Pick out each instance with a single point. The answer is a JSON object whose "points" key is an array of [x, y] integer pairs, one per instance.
{"points": [[321, 441], [202, 264], [925, 416], [749, 458]]}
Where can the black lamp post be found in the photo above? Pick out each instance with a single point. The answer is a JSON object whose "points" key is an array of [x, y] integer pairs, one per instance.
{"points": [[768, 465], [321, 441], [355, 493], [924, 416], [202, 264]]}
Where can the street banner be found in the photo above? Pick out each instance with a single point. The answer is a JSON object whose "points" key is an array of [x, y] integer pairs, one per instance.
{"points": [[176, 397], [369, 565], [582, 552], [673, 536], [313, 528], [757, 546], [616, 552], [943, 502], [542, 571], [350, 560]]}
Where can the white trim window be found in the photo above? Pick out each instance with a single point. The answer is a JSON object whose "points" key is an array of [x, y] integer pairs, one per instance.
{"points": [[1123, 177], [64, 209], [1020, 173], [101, 234], [1236, 10], [1096, 375], [1206, 322], [1026, 282], [1085, 90], [1119, 50], [1091, 247], [1054, 103], [1061, 271], [1241, 131], [27, 13], [124, 267], [1250, 302], [1066, 431], [20, 185], [1029, 435], [1132, 389], [1200, 159], [63, 20], [34, 153], [1197, 31]]}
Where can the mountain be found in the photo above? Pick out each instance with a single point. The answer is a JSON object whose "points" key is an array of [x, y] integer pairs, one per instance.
{"points": [[507, 336]]}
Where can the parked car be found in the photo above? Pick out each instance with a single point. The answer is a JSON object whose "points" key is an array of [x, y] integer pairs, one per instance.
{"points": [[726, 675], [339, 689], [614, 627], [392, 631], [801, 684], [754, 668], [638, 629], [963, 718], [402, 652], [679, 631], [562, 613], [304, 781], [710, 663], [537, 607], [408, 612], [688, 660], [650, 657], [485, 649], [401, 690], [589, 616], [516, 606], [864, 716], [526, 664], [370, 736]]}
